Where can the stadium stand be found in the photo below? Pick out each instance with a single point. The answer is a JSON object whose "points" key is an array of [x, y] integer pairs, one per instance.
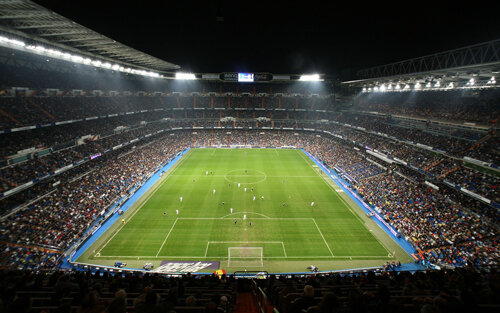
{"points": [[74, 144]]}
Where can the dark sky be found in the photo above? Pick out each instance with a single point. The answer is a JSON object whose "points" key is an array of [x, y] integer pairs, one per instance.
{"points": [[286, 37]]}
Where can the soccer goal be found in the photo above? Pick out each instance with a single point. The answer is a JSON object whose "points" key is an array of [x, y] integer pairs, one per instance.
{"points": [[245, 256]]}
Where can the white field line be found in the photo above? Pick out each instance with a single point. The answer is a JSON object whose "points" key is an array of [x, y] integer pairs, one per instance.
{"points": [[144, 202], [253, 218], [284, 251], [347, 205], [111, 238], [245, 242], [270, 257], [273, 176], [326, 243], [206, 250], [167, 236], [246, 213]]}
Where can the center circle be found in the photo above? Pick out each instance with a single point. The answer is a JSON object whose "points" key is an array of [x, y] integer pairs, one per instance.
{"points": [[245, 176]]}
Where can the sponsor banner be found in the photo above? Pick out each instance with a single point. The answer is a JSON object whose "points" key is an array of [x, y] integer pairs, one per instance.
{"points": [[167, 266]]}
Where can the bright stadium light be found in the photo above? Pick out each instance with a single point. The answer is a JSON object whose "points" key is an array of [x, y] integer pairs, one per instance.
{"points": [[310, 78], [492, 81], [382, 88], [389, 87], [471, 82], [437, 84], [451, 85], [364, 89], [428, 85], [418, 86], [53, 53], [397, 87], [185, 76], [5, 40], [407, 87], [375, 88]]}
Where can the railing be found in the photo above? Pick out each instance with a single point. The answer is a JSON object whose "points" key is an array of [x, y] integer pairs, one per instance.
{"points": [[261, 298]]}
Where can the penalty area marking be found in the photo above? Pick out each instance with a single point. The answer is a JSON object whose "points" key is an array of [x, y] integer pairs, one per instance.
{"points": [[252, 242]]}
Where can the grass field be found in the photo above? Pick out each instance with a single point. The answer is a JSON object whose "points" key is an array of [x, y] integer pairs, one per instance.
{"points": [[291, 232]]}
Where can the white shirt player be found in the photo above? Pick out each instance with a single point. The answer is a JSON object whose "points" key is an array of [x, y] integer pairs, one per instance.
{"points": [[238, 185], [262, 198], [244, 216], [245, 189], [312, 203], [231, 210], [180, 198], [177, 211], [213, 192], [253, 198], [206, 173]]}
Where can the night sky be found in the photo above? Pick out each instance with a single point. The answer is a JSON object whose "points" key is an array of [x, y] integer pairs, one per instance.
{"points": [[286, 37]]}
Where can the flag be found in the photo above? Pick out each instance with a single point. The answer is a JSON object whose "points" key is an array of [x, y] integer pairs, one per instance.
{"points": [[220, 272]]}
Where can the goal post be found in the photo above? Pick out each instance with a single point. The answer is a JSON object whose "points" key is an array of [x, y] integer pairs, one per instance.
{"points": [[245, 256]]}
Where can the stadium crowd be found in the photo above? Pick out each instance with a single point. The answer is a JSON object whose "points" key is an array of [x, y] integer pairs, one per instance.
{"points": [[443, 230], [60, 218], [461, 290]]}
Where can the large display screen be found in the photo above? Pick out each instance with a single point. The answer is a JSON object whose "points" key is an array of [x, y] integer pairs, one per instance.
{"points": [[245, 77]]}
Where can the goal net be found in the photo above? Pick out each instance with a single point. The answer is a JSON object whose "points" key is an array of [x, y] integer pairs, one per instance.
{"points": [[245, 256]]}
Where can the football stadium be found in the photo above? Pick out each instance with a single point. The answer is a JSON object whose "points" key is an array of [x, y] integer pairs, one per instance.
{"points": [[129, 183]]}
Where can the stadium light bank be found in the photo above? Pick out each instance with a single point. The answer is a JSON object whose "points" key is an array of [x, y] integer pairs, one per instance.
{"points": [[57, 54], [472, 83], [185, 76], [310, 78]]}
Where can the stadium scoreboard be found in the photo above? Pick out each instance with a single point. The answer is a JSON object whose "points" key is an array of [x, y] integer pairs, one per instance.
{"points": [[246, 77]]}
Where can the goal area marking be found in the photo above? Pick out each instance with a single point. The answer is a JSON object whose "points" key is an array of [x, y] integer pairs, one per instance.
{"points": [[245, 256], [245, 242]]}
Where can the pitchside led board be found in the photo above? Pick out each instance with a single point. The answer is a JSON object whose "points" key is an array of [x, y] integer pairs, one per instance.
{"points": [[246, 77]]}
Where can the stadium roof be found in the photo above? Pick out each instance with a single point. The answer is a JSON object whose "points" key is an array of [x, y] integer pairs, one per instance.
{"points": [[29, 21], [480, 62]]}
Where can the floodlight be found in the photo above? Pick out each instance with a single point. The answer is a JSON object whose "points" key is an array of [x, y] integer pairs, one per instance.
{"points": [[310, 78], [471, 82], [451, 85], [389, 87], [76, 59], [428, 85], [407, 87], [418, 86], [437, 84], [398, 87], [364, 89], [382, 88], [12, 41], [185, 76]]}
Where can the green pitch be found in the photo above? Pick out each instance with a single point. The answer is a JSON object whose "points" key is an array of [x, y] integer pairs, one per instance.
{"points": [[274, 213]]}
